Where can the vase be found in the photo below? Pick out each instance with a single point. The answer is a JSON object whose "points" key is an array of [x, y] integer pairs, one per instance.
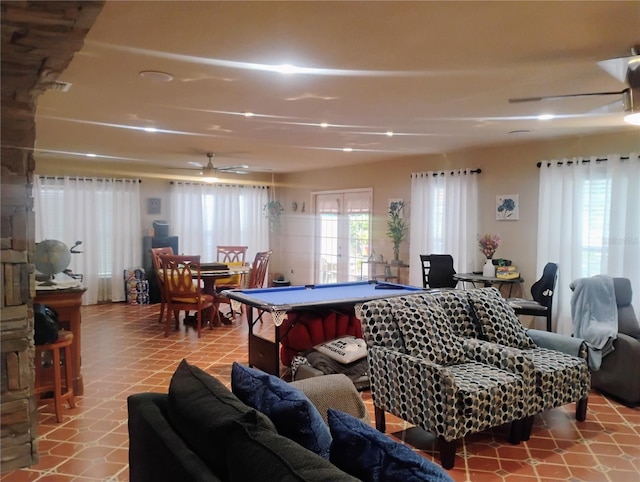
{"points": [[489, 270]]}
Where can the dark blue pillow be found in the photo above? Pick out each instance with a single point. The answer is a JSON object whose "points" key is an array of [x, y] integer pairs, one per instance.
{"points": [[371, 456], [290, 410]]}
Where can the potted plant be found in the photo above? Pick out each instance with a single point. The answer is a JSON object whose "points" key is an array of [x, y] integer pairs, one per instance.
{"points": [[272, 211], [396, 229]]}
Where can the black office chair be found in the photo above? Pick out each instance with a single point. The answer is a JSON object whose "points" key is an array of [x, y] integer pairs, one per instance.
{"points": [[542, 292], [437, 271]]}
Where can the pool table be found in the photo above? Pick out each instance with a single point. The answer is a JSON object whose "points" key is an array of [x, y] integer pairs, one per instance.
{"points": [[265, 354]]}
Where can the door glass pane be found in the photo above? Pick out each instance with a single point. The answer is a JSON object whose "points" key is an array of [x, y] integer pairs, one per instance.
{"points": [[343, 235]]}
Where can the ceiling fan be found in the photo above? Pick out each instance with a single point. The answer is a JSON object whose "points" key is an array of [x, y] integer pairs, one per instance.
{"points": [[209, 170], [625, 69]]}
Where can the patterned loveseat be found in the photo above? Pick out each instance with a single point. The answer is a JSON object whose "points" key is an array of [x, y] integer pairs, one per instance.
{"points": [[423, 373], [561, 371], [456, 362]]}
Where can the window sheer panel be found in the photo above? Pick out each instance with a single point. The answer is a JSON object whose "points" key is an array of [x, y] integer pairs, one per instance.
{"points": [[588, 222], [204, 216], [443, 219], [102, 213]]}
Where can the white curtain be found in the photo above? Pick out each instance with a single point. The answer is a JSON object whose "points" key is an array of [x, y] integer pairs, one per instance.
{"points": [[102, 213], [204, 216], [444, 212], [589, 223]]}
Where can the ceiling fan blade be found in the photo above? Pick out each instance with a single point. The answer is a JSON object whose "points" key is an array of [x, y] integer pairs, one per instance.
{"points": [[233, 168], [610, 108], [561, 96], [620, 67]]}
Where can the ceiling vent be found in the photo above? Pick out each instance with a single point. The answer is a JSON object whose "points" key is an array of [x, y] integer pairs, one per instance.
{"points": [[60, 86]]}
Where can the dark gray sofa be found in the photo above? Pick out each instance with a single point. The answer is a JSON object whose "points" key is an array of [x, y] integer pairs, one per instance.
{"points": [[200, 431], [313, 430]]}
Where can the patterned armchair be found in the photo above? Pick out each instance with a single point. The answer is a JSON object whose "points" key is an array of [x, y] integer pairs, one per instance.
{"points": [[423, 373], [559, 361]]}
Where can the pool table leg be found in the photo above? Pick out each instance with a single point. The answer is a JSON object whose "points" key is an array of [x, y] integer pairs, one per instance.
{"points": [[263, 354]]}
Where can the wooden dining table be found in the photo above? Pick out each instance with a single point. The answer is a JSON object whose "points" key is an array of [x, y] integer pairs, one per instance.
{"points": [[209, 278]]}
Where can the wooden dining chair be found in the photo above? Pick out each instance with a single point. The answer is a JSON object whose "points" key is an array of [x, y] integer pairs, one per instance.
{"points": [[256, 280], [155, 259], [231, 256], [183, 289]]}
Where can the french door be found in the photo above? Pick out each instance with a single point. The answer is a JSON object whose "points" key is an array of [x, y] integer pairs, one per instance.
{"points": [[343, 234]]}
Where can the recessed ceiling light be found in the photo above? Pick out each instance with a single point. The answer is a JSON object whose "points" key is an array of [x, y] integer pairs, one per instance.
{"points": [[546, 117], [150, 129], [156, 75], [324, 125], [248, 114], [633, 119], [390, 133], [287, 69], [348, 149]]}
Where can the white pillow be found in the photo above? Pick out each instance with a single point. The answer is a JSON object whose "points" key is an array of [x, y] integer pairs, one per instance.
{"points": [[345, 349]]}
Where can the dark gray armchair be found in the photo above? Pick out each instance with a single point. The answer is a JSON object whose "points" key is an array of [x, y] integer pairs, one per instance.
{"points": [[619, 374]]}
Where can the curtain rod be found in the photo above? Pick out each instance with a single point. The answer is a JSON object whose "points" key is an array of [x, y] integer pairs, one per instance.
{"points": [[583, 161], [215, 184], [90, 179], [442, 173]]}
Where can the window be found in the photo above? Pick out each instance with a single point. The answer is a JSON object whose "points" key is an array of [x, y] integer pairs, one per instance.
{"points": [[104, 214]]}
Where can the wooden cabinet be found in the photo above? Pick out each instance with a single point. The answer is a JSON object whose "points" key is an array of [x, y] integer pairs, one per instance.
{"points": [[67, 304]]}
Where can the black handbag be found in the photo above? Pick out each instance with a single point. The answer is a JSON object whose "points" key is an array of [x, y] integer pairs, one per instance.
{"points": [[45, 324]]}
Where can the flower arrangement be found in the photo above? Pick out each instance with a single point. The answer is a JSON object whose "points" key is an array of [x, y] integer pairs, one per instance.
{"points": [[488, 244]]}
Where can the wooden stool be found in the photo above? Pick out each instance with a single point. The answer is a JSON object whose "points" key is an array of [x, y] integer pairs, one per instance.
{"points": [[45, 384]]}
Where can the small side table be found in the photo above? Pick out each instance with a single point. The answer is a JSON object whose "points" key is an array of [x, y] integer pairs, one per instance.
{"points": [[67, 304]]}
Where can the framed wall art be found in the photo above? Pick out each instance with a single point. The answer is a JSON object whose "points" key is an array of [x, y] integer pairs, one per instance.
{"points": [[507, 207], [153, 205]]}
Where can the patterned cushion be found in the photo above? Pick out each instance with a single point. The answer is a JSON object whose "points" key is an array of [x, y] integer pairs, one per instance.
{"points": [[378, 326], [426, 330], [455, 304], [560, 378], [498, 322]]}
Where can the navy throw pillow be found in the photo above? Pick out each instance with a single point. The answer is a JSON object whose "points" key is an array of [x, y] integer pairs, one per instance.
{"points": [[371, 456], [290, 410]]}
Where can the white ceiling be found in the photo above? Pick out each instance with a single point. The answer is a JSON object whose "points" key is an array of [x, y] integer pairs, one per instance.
{"points": [[436, 74]]}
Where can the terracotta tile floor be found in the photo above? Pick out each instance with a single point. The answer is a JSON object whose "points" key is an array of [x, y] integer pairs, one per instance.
{"points": [[125, 352]]}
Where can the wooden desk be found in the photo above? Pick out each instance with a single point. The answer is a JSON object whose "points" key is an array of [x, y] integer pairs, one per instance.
{"points": [[67, 304], [488, 280]]}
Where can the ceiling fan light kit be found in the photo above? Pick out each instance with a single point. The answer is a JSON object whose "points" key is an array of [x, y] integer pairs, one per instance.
{"points": [[632, 106]]}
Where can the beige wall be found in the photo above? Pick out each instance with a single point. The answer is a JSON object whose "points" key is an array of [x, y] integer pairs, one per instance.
{"points": [[506, 169]]}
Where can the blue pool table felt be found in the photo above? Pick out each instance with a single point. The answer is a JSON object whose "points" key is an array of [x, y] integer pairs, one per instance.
{"points": [[291, 297]]}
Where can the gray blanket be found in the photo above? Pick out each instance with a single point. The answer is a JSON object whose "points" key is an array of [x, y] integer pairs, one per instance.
{"points": [[595, 315]]}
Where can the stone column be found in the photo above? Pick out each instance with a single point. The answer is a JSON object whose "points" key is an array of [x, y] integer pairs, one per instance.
{"points": [[39, 40]]}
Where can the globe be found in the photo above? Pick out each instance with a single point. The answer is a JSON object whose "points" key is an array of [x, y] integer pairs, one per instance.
{"points": [[52, 257]]}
